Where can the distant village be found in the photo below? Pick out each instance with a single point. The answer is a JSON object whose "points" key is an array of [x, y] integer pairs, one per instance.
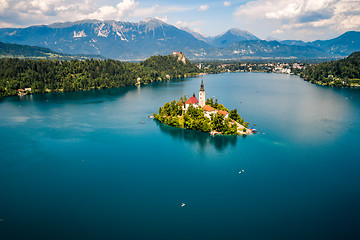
{"points": [[274, 67]]}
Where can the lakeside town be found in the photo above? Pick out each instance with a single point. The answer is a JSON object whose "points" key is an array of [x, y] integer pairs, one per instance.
{"points": [[337, 73], [275, 67]]}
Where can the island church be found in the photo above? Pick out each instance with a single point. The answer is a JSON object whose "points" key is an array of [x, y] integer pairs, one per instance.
{"points": [[208, 110]]}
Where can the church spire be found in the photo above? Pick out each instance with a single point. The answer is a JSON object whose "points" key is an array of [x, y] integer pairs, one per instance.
{"points": [[202, 95], [202, 86]]}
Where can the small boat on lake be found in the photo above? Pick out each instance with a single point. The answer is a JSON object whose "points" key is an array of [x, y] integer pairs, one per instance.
{"points": [[253, 130]]}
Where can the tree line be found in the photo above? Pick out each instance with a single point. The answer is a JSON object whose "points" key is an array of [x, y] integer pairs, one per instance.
{"points": [[344, 72], [77, 75]]}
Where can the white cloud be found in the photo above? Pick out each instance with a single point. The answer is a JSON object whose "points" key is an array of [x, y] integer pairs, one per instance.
{"points": [[126, 6], [278, 31], [122, 9], [194, 26], [104, 13], [291, 10], [3, 5], [157, 10], [203, 7], [181, 24], [50, 7], [300, 18], [227, 4], [43, 10], [33, 12], [307, 10], [164, 19]]}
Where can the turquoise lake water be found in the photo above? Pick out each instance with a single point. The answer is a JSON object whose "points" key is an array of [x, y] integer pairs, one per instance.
{"points": [[84, 166]]}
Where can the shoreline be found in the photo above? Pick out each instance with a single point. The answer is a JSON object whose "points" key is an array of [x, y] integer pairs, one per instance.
{"points": [[185, 76], [213, 132]]}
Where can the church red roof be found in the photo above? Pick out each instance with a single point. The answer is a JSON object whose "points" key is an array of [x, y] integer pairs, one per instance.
{"points": [[192, 100]]}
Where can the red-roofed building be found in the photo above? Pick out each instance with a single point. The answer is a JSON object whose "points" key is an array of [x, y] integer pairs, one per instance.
{"points": [[193, 101], [225, 113], [208, 110]]}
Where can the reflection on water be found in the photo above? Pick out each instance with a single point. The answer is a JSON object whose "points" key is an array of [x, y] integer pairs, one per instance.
{"points": [[26, 98], [94, 96], [201, 140]]}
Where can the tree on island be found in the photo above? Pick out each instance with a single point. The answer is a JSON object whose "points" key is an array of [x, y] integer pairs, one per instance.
{"points": [[215, 104]]}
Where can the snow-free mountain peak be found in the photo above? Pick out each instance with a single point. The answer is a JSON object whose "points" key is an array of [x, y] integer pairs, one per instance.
{"points": [[241, 33], [231, 36]]}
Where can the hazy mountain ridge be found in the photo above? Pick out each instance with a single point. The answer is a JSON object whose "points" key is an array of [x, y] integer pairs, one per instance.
{"points": [[343, 45], [136, 41], [293, 42], [225, 39], [271, 49], [232, 36]]}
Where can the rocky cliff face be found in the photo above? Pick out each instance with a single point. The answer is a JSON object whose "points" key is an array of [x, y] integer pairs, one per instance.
{"points": [[180, 57]]}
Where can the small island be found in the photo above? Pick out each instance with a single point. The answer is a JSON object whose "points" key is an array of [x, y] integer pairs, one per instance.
{"points": [[203, 115]]}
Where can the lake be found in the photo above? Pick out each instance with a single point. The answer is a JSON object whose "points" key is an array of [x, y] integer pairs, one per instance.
{"points": [[92, 165]]}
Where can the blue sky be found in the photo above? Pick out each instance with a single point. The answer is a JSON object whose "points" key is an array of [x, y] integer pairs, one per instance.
{"points": [[281, 19]]}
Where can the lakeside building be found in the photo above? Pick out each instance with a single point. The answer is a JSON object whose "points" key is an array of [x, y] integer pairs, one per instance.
{"points": [[208, 111], [191, 101]]}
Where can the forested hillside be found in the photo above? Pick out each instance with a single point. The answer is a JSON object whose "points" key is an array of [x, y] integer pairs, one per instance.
{"points": [[8, 50], [344, 72], [16, 50], [54, 75]]}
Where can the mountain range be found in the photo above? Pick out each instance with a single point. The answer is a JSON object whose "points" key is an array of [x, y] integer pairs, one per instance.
{"points": [[137, 41], [231, 36]]}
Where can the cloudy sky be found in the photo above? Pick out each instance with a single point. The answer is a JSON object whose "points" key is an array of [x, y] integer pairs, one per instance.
{"points": [[281, 19]]}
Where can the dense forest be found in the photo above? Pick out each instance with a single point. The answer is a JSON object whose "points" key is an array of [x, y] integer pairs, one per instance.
{"points": [[344, 72], [194, 118], [77, 75]]}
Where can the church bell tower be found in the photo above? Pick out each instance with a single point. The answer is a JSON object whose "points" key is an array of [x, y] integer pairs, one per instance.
{"points": [[202, 95]]}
